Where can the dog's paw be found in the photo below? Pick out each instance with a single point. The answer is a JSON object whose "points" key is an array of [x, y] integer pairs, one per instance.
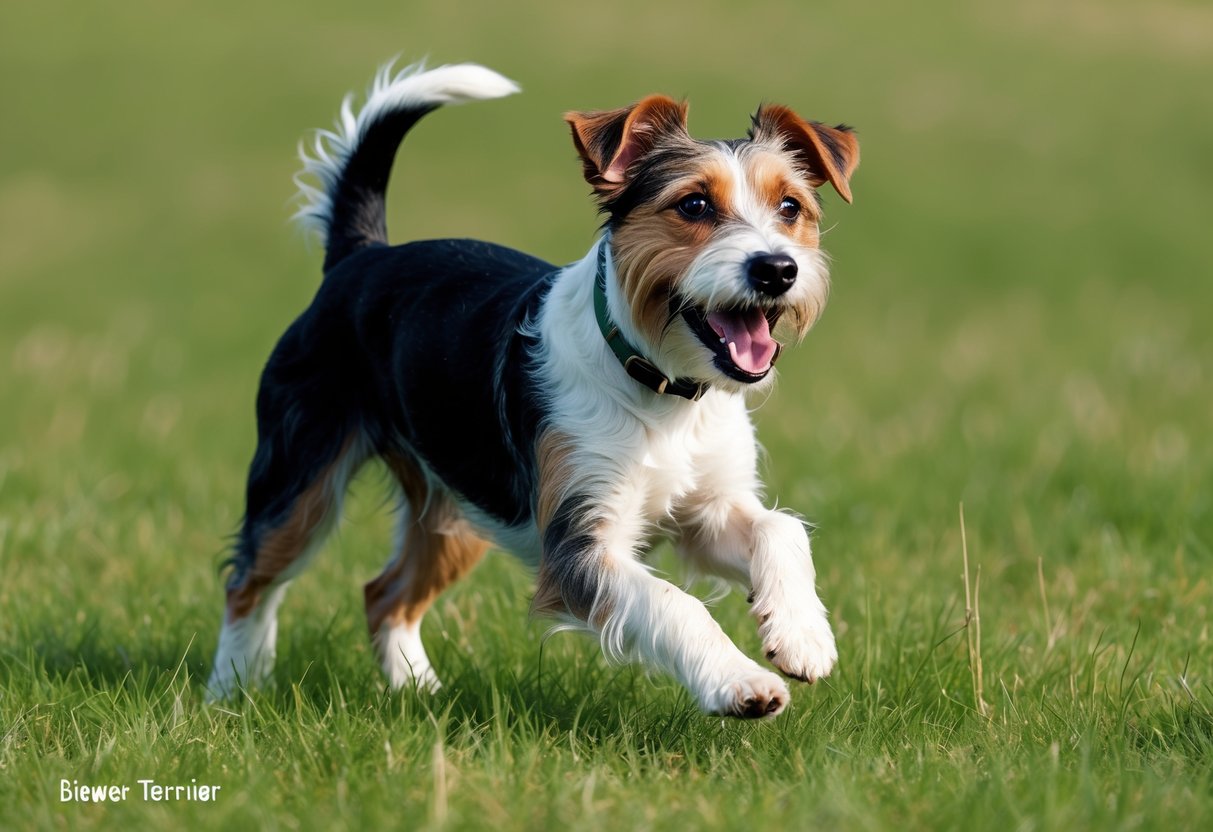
{"points": [[798, 642], [420, 679], [415, 674], [403, 658], [229, 683], [753, 694]]}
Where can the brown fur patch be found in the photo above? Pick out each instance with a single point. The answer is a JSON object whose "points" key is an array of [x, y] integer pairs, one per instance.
{"points": [[608, 141], [573, 564], [773, 177], [553, 454], [657, 245], [439, 548], [280, 547], [830, 154]]}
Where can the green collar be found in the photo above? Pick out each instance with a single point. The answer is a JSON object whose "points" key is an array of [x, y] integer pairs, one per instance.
{"points": [[635, 364]]}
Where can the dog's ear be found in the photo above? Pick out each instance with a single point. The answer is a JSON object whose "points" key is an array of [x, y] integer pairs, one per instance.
{"points": [[608, 141], [828, 154]]}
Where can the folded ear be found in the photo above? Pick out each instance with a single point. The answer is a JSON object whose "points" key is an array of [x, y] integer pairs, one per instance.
{"points": [[829, 154], [609, 141]]}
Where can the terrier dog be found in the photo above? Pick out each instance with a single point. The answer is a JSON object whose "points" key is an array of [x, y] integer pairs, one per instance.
{"points": [[566, 414]]}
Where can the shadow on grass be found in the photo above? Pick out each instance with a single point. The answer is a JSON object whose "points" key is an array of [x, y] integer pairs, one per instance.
{"points": [[567, 694], [81, 657]]}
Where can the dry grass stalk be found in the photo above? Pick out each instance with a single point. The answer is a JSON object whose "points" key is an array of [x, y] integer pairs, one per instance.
{"points": [[973, 623]]}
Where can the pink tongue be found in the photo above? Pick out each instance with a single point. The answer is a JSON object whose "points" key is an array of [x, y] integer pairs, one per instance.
{"points": [[749, 338]]}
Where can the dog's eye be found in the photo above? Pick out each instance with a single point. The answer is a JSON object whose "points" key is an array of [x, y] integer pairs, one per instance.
{"points": [[789, 208], [694, 207]]}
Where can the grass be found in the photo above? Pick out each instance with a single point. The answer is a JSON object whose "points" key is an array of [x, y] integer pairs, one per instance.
{"points": [[1018, 324]]}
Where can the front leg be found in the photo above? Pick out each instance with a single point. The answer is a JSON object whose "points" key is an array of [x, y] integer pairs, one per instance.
{"points": [[738, 538], [589, 572]]}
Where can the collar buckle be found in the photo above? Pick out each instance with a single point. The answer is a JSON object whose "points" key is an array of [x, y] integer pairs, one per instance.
{"points": [[642, 370], [634, 364]]}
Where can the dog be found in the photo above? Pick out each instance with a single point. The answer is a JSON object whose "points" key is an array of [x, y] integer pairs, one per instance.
{"points": [[568, 415]]}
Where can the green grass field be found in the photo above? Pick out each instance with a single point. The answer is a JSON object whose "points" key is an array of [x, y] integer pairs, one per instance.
{"points": [[1019, 323]]}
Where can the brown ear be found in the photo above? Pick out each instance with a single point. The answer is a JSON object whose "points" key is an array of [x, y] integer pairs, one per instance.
{"points": [[830, 154], [609, 141]]}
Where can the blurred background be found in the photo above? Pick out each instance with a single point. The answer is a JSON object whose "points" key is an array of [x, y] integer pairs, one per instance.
{"points": [[1019, 318]]}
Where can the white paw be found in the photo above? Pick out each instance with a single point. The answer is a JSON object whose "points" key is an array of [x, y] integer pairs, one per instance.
{"points": [[404, 660], [752, 694], [244, 658], [797, 640], [229, 677], [423, 679]]}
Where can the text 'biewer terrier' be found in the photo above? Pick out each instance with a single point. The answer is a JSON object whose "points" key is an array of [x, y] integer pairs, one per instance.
{"points": [[566, 414]]}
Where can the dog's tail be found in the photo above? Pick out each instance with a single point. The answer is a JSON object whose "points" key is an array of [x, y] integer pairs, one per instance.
{"points": [[345, 172]]}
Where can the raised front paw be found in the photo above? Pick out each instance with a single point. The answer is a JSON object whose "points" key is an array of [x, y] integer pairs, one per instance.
{"points": [[752, 694], [799, 642]]}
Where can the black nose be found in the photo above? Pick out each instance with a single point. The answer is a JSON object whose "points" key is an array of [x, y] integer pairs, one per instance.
{"points": [[772, 274]]}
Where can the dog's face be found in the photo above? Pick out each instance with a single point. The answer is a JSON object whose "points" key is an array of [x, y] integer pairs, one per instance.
{"points": [[716, 242]]}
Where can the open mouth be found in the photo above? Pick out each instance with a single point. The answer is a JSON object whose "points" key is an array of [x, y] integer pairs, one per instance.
{"points": [[739, 338]]}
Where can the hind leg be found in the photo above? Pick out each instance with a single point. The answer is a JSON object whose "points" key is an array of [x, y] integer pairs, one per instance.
{"points": [[293, 501], [434, 548]]}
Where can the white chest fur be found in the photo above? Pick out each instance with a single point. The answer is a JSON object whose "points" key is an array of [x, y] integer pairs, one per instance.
{"points": [[693, 451]]}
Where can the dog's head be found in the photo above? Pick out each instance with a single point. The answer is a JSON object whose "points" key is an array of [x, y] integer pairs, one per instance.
{"points": [[714, 242]]}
